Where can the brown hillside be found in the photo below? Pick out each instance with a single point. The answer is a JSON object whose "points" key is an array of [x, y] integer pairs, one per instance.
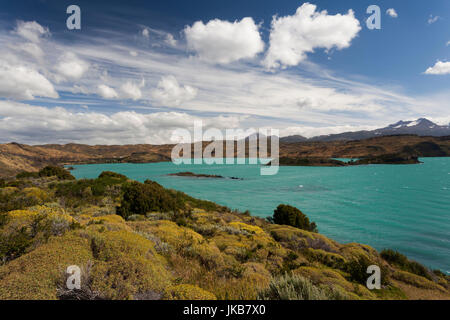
{"points": [[15, 157]]}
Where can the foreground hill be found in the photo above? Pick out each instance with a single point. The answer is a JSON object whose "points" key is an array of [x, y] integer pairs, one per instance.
{"points": [[18, 157], [142, 241]]}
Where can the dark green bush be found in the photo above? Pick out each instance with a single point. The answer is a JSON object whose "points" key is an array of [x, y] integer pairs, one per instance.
{"points": [[27, 175], [2, 183], [17, 201], [18, 184], [291, 216], [76, 193], [112, 175], [14, 245], [150, 196], [60, 173], [3, 219], [401, 261], [197, 203], [357, 269]]}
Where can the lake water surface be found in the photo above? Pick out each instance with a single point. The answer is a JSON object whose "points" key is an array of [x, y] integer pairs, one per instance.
{"points": [[404, 207]]}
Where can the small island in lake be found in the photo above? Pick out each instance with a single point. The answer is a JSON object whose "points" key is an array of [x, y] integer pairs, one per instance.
{"points": [[310, 162], [200, 175], [395, 158]]}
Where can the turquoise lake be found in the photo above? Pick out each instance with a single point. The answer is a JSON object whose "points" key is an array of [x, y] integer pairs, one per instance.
{"points": [[403, 207]]}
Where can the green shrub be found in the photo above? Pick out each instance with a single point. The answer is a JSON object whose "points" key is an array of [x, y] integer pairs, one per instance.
{"points": [[2, 183], [401, 261], [296, 287], [13, 245], [141, 198], [112, 175], [27, 175], [84, 191], [357, 269], [291, 216], [32, 227], [20, 184], [3, 219], [188, 292], [17, 199], [60, 173], [197, 203]]}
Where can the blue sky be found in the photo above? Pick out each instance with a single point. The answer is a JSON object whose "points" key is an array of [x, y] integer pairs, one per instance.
{"points": [[137, 70]]}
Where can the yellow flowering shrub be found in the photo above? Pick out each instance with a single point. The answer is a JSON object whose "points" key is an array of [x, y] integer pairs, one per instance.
{"points": [[256, 273], [416, 280], [246, 227], [35, 275], [111, 222], [37, 193], [188, 292], [297, 238], [8, 190], [168, 232], [325, 276], [326, 258], [126, 265]]}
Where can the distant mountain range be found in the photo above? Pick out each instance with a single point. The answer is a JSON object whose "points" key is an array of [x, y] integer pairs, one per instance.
{"points": [[420, 127]]}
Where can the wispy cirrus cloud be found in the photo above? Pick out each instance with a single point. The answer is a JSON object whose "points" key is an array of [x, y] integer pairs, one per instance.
{"points": [[432, 19], [36, 124]]}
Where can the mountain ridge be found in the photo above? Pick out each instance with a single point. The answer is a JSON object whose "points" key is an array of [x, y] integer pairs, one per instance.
{"points": [[419, 127]]}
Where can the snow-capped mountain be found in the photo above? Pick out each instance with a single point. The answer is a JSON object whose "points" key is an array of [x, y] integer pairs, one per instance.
{"points": [[420, 127]]}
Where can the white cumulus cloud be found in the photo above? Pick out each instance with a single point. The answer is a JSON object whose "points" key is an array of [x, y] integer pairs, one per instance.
{"points": [[22, 82], [169, 92], [72, 67], [131, 90], [31, 30], [170, 40], [107, 92], [439, 68], [392, 13], [221, 41], [291, 37]]}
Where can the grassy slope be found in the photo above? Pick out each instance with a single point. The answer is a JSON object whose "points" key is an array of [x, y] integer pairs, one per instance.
{"points": [[206, 252]]}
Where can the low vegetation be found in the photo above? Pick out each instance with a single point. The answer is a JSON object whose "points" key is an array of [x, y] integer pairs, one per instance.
{"points": [[142, 241], [48, 171], [401, 261], [291, 216]]}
